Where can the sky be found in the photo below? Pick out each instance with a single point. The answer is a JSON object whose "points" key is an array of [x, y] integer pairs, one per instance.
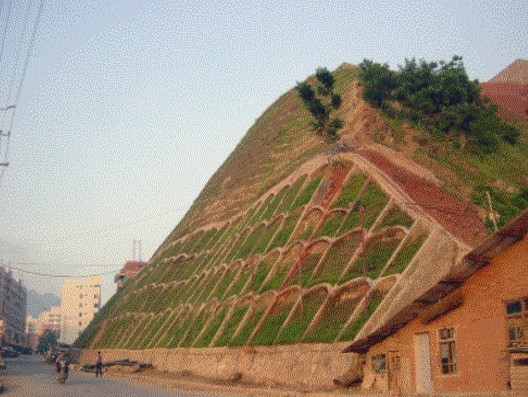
{"points": [[128, 107]]}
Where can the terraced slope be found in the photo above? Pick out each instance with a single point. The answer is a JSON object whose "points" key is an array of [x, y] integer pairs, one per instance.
{"points": [[294, 241], [304, 263]]}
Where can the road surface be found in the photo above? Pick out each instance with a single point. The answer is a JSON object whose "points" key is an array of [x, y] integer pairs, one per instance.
{"points": [[30, 376]]}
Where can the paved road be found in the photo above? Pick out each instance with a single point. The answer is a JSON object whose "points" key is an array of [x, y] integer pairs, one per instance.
{"points": [[30, 376]]}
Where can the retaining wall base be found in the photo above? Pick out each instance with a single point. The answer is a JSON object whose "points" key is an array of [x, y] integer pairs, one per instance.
{"points": [[311, 366]]}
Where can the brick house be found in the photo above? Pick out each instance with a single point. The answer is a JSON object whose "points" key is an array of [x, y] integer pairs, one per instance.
{"points": [[469, 332]]}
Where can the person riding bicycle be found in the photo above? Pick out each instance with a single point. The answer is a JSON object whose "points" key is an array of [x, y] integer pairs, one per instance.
{"points": [[61, 363]]}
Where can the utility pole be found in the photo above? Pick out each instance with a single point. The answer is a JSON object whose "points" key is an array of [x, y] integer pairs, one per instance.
{"points": [[136, 250]]}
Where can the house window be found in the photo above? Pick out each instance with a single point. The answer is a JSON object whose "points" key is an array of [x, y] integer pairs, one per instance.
{"points": [[379, 363], [448, 351], [516, 322]]}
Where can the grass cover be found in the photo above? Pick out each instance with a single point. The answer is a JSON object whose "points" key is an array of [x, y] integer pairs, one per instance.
{"points": [[248, 327], [337, 258], [224, 283], [292, 194], [331, 225], [137, 334], [373, 200], [301, 318], [212, 328], [276, 281], [196, 327], [269, 329], [247, 247], [350, 191], [395, 217], [406, 254], [285, 232], [231, 325], [336, 314], [270, 211], [306, 195], [179, 330], [375, 258], [352, 330], [261, 272], [172, 324], [263, 243], [240, 282], [306, 269]]}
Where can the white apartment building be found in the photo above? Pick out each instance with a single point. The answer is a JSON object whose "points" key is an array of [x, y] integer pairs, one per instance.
{"points": [[13, 296], [50, 320], [80, 301], [32, 326]]}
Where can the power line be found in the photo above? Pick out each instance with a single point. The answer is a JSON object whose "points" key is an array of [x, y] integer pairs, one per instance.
{"points": [[125, 224], [5, 28], [18, 53], [81, 264], [51, 275], [22, 78], [26, 62]]}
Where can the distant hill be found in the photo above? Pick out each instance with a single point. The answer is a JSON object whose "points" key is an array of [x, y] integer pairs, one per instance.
{"points": [[517, 72], [38, 303], [509, 90]]}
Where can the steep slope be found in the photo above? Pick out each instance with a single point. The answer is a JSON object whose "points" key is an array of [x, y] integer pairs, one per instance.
{"points": [[509, 90], [293, 240], [303, 264], [278, 143]]}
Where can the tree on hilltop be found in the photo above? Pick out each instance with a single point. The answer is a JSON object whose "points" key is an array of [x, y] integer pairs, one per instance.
{"points": [[440, 97], [322, 103]]}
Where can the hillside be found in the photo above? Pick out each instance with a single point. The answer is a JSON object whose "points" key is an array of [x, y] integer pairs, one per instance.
{"points": [[295, 240], [37, 303], [278, 143], [516, 73]]}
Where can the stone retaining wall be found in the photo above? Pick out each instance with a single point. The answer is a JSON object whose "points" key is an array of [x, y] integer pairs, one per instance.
{"points": [[301, 365]]}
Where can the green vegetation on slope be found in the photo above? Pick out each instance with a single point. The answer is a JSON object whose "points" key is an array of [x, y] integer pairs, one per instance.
{"points": [[439, 96], [267, 154]]}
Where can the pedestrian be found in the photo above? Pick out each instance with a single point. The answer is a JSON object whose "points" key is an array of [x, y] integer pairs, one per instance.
{"points": [[99, 365]]}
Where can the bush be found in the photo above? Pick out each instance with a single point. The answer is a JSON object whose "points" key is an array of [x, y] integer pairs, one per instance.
{"points": [[440, 97]]}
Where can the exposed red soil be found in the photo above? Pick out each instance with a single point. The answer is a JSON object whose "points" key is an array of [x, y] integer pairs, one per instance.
{"points": [[511, 97], [339, 173], [458, 217]]}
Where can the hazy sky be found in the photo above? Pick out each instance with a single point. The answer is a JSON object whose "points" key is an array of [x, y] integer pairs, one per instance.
{"points": [[128, 107]]}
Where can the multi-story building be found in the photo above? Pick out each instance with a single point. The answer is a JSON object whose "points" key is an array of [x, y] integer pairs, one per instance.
{"points": [[32, 326], [13, 296], [129, 271], [50, 320], [80, 301]]}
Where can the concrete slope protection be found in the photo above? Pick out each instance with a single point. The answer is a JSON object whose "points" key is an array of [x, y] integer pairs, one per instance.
{"points": [[294, 240]]}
